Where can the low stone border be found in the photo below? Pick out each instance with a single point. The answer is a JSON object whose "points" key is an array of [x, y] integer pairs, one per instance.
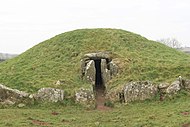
{"points": [[142, 90], [129, 92]]}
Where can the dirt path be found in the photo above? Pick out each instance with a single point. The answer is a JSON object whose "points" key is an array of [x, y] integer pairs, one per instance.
{"points": [[100, 100]]}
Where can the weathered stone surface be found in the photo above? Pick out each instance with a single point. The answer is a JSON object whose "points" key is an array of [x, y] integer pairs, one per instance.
{"points": [[115, 95], [49, 94], [163, 87], [163, 90], [21, 105], [88, 66], [187, 84], [99, 55], [7, 102], [139, 91], [113, 69], [105, 72], [173, 88], [90, 72], [11, 96], [85, 97]]}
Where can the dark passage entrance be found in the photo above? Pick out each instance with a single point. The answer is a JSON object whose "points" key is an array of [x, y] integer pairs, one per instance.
{"points": [[99, 86], [98, 80]]}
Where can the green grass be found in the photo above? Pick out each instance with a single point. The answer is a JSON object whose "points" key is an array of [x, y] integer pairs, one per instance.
{"points": [[59, 59], [168, 113]]}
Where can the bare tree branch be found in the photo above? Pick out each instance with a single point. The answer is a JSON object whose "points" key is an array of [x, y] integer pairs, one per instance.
{"points": [[171, 42]]}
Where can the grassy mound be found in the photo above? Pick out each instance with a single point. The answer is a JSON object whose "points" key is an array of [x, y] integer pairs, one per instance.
{"points": [[59, 59]]}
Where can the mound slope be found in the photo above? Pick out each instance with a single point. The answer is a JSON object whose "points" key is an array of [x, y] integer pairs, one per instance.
{"points": [[59, 58]]}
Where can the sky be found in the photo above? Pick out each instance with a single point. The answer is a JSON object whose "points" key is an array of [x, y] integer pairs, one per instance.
{"points": [[25, 23]]}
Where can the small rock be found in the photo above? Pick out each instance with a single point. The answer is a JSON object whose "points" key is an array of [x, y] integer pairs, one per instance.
{"points": [[21, 105], [31, 96], [97, 123], [163, 85], [59, 82], [173, 88]]}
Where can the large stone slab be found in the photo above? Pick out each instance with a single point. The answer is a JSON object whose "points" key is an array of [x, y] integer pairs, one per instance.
{"points": [[85, 97], [105, 72], [139, 91], [113, 69], [90, 72], [98, 55], [49, 95], [11, 96]]}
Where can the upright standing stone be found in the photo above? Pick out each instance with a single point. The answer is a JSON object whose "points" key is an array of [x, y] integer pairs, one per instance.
{"points": [[90, 72], [105, 71], [113, 69]]}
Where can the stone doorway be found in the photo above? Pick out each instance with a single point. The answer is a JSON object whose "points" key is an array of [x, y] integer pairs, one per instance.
{"points": [[98, 69], [99, 85], [98, 76]]}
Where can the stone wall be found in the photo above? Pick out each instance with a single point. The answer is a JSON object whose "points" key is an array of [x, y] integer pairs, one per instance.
{"points": [[129, 92], [10, 96], [142, 90]]}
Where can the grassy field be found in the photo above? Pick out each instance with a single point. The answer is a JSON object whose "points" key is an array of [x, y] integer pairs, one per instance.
{"points": [[59, 58], [168, 113]]}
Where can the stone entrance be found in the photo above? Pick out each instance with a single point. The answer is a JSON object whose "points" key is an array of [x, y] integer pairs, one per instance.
{"points": [[98, 76], [98, 69]]}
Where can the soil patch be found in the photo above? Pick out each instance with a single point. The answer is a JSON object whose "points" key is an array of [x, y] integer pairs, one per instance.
{"points": [[100, 100]]}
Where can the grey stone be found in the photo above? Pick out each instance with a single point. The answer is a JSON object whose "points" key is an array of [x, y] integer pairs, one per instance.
{"points": [[108, 67], [60, 82], [113, 69], [85, 97], [163, 85], [115, 95], [49, 95], [7, 102], [174, 87], [11, 95], [98, 55], [139, 91], [105, 72], [187, 84], [31, 96], [90, 72], [21, 105], [163, 88], [97, 124]]}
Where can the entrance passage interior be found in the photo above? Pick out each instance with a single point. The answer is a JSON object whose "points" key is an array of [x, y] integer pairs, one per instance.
{"points": [[99, 86], [98, 79]]}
